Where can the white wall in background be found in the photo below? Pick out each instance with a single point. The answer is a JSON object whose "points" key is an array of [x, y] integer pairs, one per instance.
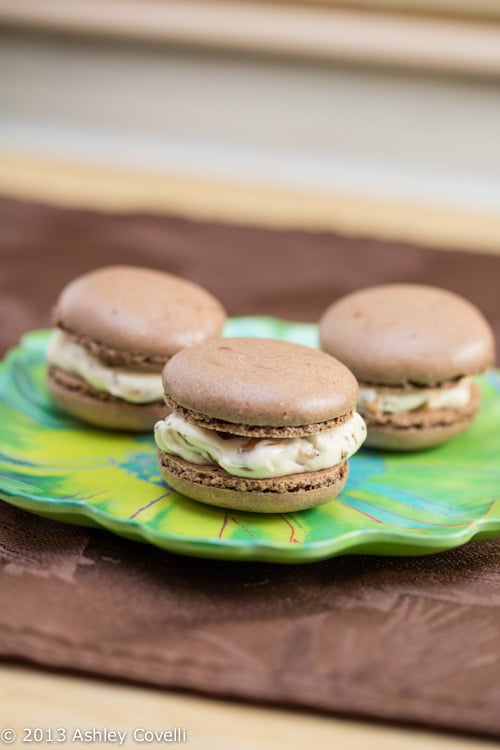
{"points": [[283, 122]]}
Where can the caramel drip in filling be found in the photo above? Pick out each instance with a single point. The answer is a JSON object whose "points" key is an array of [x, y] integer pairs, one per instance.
{"points": [[260, 457]]}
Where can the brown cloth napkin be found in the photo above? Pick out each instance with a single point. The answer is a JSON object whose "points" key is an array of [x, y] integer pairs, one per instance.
{"points": [[403, 639]]}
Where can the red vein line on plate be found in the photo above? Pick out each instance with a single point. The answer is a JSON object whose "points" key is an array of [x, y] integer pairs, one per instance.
{"points": [[292, 539], [488, 509], [364, 513], [84, 498], [242, 526], [423, 529], [145, 507], [224, 524]]}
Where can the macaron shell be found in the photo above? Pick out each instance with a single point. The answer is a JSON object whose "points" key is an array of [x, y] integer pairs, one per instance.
{"points": [[386, 437], [252, 430], [260, 382], [77, 398], [401, 333], [213, 486], [140, 310]]}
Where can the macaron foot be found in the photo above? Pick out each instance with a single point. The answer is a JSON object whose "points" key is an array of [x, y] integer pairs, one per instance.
{"points": [[212, 485]]}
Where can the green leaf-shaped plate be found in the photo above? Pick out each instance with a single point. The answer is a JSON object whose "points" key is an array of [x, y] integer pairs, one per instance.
{"points": [[393, 504]]}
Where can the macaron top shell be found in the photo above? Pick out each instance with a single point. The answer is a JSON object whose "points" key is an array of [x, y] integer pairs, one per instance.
{"points": [[139, 310], [407, 333], [260, 382]]}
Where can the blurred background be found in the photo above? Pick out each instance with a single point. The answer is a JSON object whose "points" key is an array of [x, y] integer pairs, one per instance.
{"points": [[358, 115]]}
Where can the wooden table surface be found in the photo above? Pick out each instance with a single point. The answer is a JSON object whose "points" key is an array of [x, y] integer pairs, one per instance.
{"points": [[32, 698]]}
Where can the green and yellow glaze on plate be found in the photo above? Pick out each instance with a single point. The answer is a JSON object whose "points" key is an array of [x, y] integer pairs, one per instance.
{"points": [[393, 504]]}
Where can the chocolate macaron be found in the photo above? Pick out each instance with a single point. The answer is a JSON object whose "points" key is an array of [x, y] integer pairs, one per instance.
{"points": [[115, 328], [258, 425], [413, 349]]}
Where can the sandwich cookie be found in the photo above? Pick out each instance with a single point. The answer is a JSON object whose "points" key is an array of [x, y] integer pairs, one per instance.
{"points": [[115, 329], [413, 349], [258, 425]]}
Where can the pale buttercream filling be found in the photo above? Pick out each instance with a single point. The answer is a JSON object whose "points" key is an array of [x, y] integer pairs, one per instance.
{"points": [[395, 402], [135, 387], [260, 458]]}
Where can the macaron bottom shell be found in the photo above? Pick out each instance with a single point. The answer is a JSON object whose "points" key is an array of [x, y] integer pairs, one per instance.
{"points": [[212, 485], [413, 439], [99, 408]]}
